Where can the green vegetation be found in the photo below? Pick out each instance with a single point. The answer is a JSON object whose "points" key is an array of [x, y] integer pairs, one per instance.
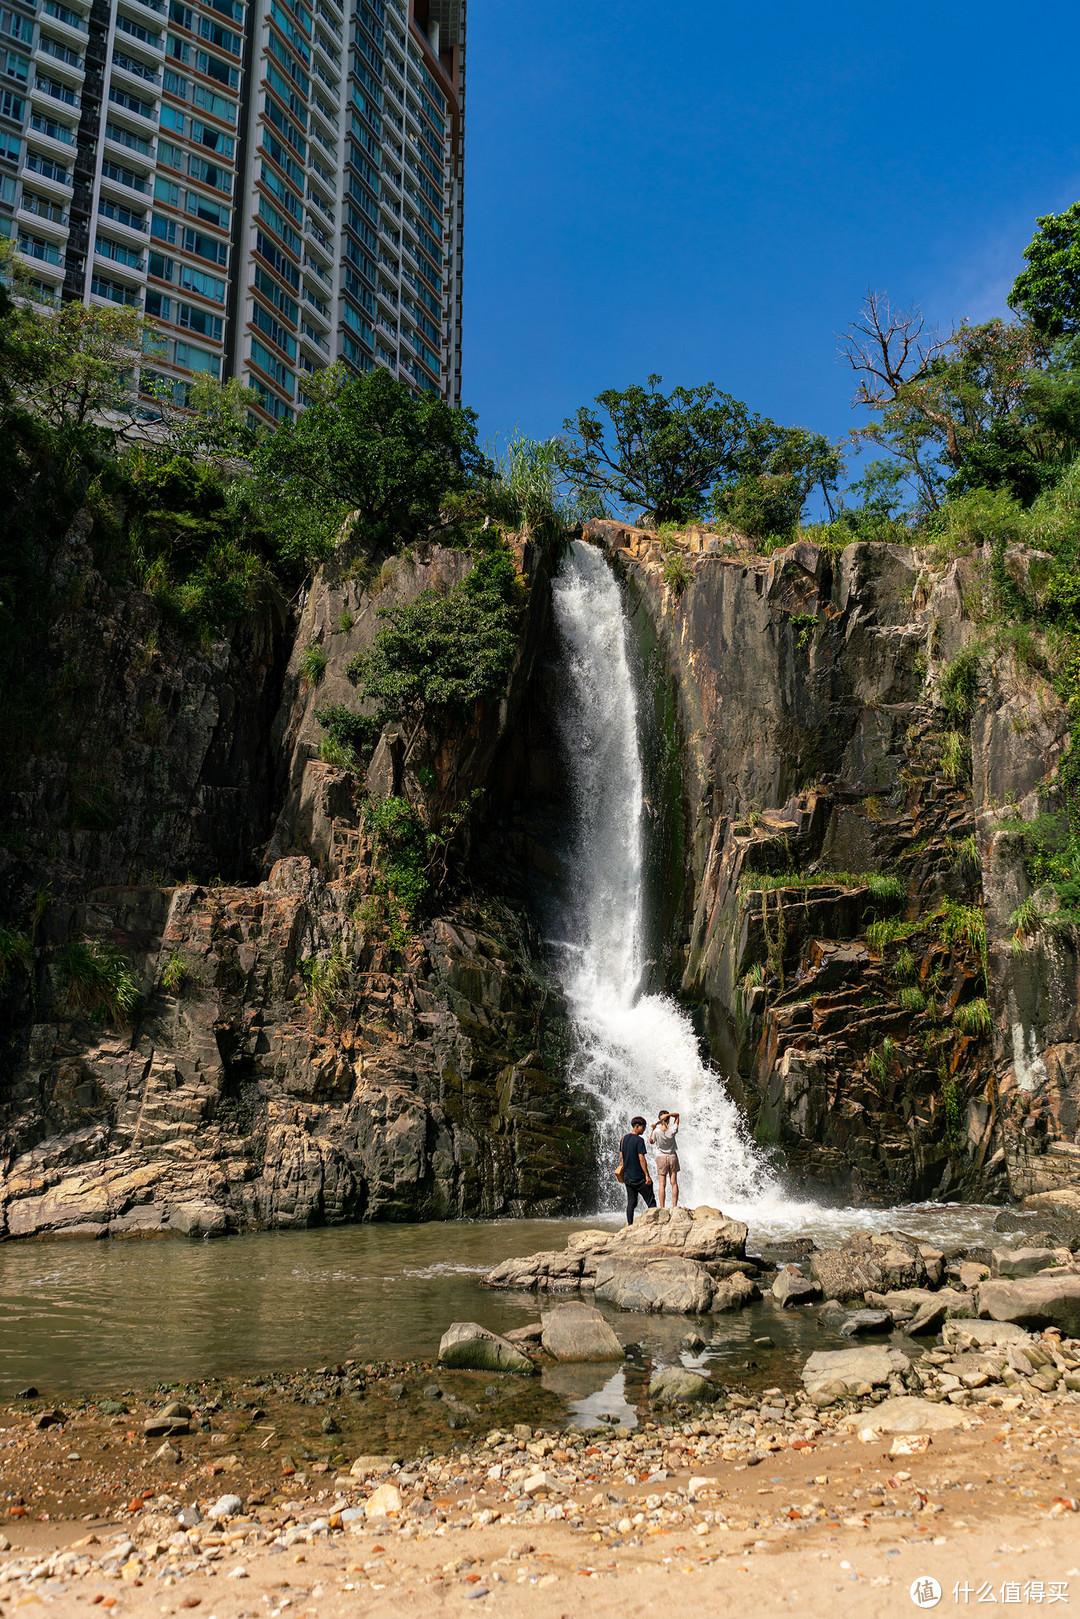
{"points": [[313, 662], [885, 888], [889, 930], [15, 951], [964, 927], [326, 981], [912, 999], [334, 752], [443, 652], [973, 1017], [677, 456], [903, 968], [99, 981], [677, 572], [173, 974]]}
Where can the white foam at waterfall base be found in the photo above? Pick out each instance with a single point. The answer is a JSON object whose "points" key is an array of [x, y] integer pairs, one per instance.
{"points": [[636, 1052]]}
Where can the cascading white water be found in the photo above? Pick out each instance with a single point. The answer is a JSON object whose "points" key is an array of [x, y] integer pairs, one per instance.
{"points": [[634, 1052]]}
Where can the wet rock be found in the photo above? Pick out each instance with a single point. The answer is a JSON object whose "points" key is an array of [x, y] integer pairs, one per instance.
{"points": [[199, 1220], [385, 1502], [868, 1263], [673, 1385], [793, 1287], [1036, 1301], [579, 1332], [226, 1506], [523, 1336], [702, 1234], [50, 1419], [857, 1323], [929, 1317], [734, 1292], [960, 1334], [906, 1414], [467, 1344], [1013, 1263], [855, 1371], [27, 1394], [674, 1286]]}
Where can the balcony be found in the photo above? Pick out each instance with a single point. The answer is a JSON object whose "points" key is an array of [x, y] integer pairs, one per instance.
{"points": [[49, 130], [51, 213], [68, 24], [56, 91]]}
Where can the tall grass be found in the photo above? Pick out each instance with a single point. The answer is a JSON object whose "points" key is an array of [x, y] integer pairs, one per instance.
{"points": [[526, 491], [100, 980]]}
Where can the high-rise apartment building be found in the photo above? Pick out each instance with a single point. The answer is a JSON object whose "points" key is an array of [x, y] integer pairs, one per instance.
{"points": [[276, 183]]}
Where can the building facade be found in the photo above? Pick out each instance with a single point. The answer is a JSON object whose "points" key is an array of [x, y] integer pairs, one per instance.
{"points": [[277, 184]]}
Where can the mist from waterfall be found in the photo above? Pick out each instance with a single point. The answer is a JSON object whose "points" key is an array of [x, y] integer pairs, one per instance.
{"points": [[634, 1052]]}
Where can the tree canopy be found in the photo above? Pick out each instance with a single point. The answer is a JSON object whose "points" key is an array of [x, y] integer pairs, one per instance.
{"points": [[367, 444], [669, 454], [1048, 291]]}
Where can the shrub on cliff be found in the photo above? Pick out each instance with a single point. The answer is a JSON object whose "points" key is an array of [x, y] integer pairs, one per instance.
{"points": [[365, 444], [443, 651]]}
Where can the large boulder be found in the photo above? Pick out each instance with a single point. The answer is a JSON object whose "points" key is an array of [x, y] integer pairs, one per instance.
{"points": [[980, 1334], [1013, 1263], [469, 1345], [1036, 1301], [865, 1263], [906, 1414], [733, 1292], [702, 1233], [852, 1371], [792, 1287], [579, 1332], [672, 1385], [675, 1286]]}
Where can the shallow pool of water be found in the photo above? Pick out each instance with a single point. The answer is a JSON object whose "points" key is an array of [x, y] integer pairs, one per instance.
{"points": [[101, 1316]]}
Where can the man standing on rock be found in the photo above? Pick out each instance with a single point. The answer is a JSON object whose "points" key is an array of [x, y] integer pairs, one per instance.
{"points": [[634, 1169], [667, 1156]]}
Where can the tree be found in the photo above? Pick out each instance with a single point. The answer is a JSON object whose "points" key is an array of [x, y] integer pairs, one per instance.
{"points": [[75, 366], [984, 405], [366, 444], [660, 453], [442, 652], [1048, 291]]}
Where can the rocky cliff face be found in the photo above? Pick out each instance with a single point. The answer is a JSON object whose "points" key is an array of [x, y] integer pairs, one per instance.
{"points": [[850, 874], [293, 1061]]}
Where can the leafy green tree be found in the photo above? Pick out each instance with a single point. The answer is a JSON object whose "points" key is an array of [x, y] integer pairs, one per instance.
{"points": [[75, 366], [667, 454], [365, 444], [982, 406], [443, 651], [1048, 291]]}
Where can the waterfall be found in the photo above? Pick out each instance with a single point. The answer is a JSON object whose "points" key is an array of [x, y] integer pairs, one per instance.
{"points": [[633, 1052]]}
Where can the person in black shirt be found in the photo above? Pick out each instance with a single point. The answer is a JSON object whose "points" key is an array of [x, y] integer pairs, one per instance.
{"points": [[635, 1169]]}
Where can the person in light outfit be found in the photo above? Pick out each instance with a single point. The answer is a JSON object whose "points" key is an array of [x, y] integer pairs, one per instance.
{"points": [[662, 1136]]}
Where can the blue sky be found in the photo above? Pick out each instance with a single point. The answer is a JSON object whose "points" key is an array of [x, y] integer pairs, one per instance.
{"points": [[705, 191]]}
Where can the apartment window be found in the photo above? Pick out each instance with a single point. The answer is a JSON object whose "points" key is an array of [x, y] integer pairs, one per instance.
{"points": [[275, 294], [215, 140], [277, 223], [123, 98], [35, 248], [209, 286], [211, 174], [16, 67], [199, 320], [16, 26], [282, 193], [163, 229], [273, 148], [197, 359], [213, 213], [170, 155], [159, 305], [274, 331], [166, 191], [221, 37], [172, 117], [136, 143], [46, 126], [215, 69], [109, 249], [137, 31], [178, 49], [274, 368], [124, 177], [114, 291], [7, 194], [11, 146], [275, 257], [60, 53], [131, 64], [205, 247], [64, 14], [229, 8], [175, 85], [123, 216], [215, 105], [161, 267], [272, 405]]}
